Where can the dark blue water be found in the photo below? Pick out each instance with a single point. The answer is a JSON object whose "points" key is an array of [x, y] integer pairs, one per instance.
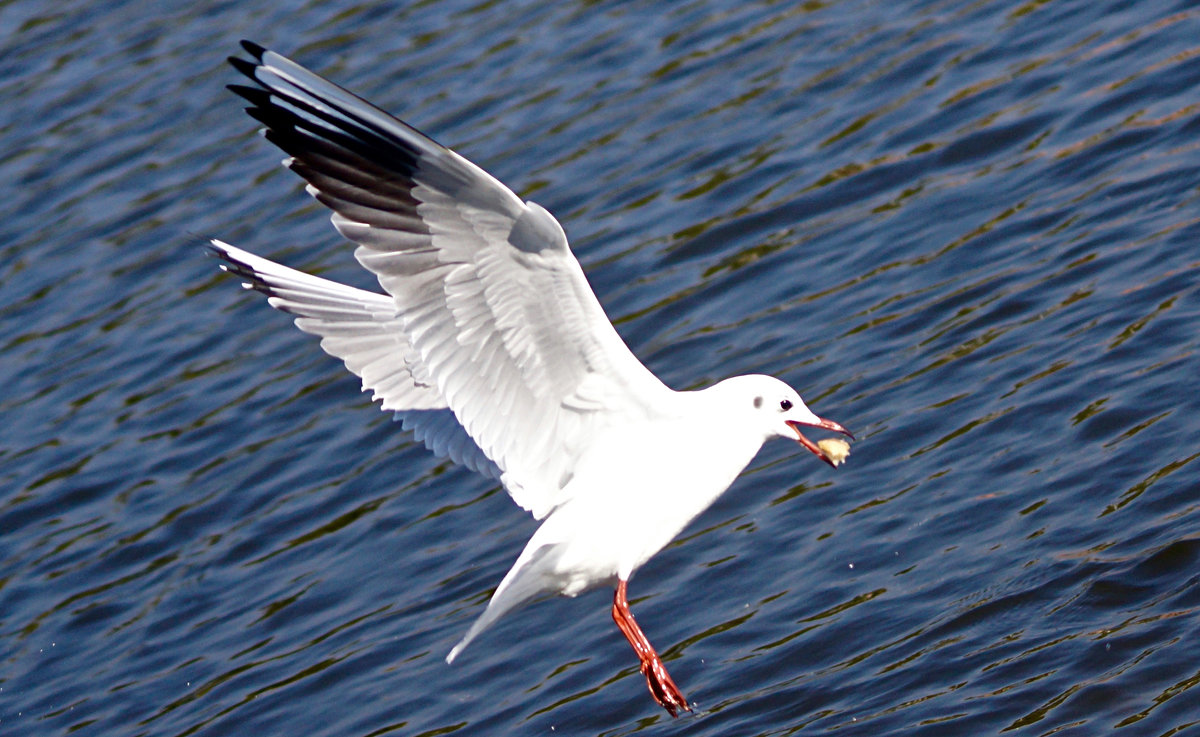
{"points": [[967, 230]]}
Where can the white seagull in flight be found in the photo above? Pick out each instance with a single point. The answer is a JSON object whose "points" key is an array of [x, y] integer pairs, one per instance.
{"points": [[494, 351]]}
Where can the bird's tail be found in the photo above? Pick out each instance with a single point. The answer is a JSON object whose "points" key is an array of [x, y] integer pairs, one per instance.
{"points": [[527, 580]]}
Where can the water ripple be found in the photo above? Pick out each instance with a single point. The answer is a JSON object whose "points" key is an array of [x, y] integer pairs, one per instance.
{"points": [[964, 229]]}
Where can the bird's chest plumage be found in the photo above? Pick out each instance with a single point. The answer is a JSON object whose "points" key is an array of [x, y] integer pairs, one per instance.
{"points": [[639, 488]]}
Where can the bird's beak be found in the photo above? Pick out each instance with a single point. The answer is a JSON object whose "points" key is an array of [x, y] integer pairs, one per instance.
{"points": [[824, 425]]}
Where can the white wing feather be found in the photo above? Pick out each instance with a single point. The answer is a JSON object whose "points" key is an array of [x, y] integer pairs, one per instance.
{"points": [[362, 329], [490, 306]]}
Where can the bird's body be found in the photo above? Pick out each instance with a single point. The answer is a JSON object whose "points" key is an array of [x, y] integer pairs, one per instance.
{"points": [[633, 491], [492, 348]]}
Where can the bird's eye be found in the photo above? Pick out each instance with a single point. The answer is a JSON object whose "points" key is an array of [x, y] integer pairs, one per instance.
{"points": [[785, 405], [757, 402]]}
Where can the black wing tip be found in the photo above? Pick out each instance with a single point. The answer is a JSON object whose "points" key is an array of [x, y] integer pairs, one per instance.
{"points": [[250, 66], [218, 249], [253, 49], [244, 66], [233, 265], [213, 247], [256, 96]]}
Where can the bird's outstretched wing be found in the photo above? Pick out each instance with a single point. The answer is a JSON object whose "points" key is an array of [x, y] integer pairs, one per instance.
{"points": [[362, 329], [493, 310]]}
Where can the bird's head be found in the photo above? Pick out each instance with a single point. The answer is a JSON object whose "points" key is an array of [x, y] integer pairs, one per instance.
{"points": [[778, 410]]}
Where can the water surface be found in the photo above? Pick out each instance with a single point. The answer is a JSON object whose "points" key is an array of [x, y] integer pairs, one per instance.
{"points": [[966, 230]]}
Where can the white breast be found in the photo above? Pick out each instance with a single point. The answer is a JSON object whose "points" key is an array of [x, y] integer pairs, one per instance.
{"points": [[626, 503]]}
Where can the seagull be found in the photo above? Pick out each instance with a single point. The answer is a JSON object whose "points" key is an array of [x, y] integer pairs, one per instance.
{"points": [[491, 347]]}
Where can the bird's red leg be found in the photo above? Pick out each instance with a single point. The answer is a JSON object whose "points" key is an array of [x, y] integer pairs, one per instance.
{"points": [[662, 688]]}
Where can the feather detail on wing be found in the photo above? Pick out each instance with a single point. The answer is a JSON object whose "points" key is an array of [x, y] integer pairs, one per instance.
{"points": [[362, 329], [496, 310]]}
